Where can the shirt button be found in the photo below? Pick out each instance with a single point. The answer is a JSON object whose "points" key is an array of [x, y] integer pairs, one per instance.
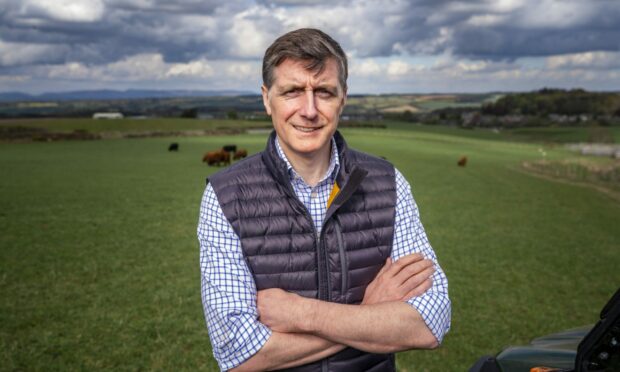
{"points": [[313, 194]]}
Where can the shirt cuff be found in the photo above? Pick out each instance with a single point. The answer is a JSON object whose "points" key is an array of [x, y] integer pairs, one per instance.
{"points": [[254, 342], [435, 310]]}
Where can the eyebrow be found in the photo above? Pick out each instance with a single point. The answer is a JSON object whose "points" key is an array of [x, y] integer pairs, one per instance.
{"points": [[292, 86], [288, 86], [330, 87]]}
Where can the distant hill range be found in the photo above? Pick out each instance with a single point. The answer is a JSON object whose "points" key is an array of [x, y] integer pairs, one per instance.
{"points": [[117, 95]]}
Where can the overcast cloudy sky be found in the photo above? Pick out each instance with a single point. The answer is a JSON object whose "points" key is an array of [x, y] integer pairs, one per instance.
{"points": [[393, 45]]}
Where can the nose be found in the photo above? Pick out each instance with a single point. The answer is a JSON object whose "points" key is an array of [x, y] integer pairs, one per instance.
{"points": [[308, 109]]}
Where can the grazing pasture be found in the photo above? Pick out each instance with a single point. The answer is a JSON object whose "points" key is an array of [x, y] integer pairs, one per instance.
{"points": [[129, 125], [99, 260]]}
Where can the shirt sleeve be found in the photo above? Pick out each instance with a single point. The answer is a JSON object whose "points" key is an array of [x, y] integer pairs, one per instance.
{"points": [[409, 237], [227, 288]]}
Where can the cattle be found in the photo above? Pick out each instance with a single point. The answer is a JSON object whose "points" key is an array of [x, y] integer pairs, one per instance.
{"points": [[230, 148], [462, 161], [173, 147], [218, 157], [240, 154]]}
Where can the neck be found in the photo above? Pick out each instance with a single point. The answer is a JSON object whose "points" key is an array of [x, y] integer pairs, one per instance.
{"points": [[311, 167]]}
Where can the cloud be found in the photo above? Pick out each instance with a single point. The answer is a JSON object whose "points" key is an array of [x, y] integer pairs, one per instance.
{"points": [[587, 60], [249, 33], [64, 10], [181, 31], [556, 14], [168, 6], [452, 74], [105, 32], [174, 40], [70, 71], [240, 70], [15, 54], [137, 67], [364, 68], [14, 78], [398, 68], [540, 28], [200, 69], [485, 20], [140, 67]]}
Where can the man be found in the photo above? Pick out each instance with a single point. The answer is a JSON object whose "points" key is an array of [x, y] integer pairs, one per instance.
{"points": [[312, 254]]}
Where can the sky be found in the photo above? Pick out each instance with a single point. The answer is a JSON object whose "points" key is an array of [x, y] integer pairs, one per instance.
{"points": [[393, 46]]}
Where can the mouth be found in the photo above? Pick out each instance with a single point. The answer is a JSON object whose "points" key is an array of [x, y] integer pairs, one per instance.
{"points": [[306, 129]]}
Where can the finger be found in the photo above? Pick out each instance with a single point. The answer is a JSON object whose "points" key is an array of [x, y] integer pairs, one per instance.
{"points": [[419, 290], [404, 261], [412, 269], [417, 279]]}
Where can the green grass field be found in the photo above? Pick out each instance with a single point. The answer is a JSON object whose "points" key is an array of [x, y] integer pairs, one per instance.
{"points": [[99, 261], [128, 125]]}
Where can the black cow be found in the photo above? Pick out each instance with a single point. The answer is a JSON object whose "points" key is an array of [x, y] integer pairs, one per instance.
{"points": [[173, 147], [229, 148]]}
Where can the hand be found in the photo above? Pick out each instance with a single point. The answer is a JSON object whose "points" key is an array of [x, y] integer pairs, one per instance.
{"points": [[279, 310], [399, 281]]}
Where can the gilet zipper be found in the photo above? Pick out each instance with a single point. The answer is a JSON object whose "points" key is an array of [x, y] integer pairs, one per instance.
{"points": [[344, 272]]}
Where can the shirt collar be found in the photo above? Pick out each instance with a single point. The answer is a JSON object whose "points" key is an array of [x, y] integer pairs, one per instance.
{"points": [[332, 169]]}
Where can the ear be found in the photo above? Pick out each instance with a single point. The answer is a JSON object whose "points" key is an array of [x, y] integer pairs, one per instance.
{"points": [[265, 92], [343, 102]]}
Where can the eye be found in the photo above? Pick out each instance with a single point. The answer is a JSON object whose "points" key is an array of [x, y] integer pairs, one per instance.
{"points": [[293, 92], [324, 93]]}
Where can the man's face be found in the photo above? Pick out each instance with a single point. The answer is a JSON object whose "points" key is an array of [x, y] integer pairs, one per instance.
{"points": [[304, 107]]}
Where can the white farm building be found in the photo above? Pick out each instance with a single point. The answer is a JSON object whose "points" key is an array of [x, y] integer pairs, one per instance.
{"points": [[107, 115]]}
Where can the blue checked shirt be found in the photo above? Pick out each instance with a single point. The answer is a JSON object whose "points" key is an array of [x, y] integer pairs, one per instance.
{"points": [[229, 291]]}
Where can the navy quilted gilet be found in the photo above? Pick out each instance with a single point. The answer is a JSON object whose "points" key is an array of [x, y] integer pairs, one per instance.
{"points": [[282, 247]]}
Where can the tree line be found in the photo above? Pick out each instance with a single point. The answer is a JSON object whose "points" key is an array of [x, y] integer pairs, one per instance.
{"points": [[555, 101]]}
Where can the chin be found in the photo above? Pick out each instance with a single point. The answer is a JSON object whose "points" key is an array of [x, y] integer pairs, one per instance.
{"points": [[307, 149]]}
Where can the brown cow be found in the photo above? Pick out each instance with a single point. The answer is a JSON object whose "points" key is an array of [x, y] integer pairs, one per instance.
{"points": [[225, 157], [240, 154], [216, 157], [462, 161]]}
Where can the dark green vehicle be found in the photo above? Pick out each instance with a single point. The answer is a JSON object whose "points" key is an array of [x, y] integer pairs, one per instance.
{"points": [[593, 348]]}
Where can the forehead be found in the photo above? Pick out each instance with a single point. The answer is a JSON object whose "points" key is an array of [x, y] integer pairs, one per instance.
{"points": [[292, 71]]}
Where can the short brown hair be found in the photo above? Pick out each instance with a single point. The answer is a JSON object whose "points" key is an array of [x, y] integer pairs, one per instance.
{"points": [[305, 44]]}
